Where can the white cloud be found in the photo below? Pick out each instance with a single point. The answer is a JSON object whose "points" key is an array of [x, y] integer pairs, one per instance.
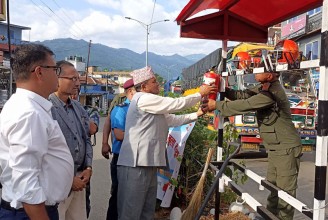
{"points": [[102, 21], [106, 3]]}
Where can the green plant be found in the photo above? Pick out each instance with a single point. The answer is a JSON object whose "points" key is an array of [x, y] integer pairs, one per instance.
{"points": [[230, 134], [195, 152], [196, 148]]}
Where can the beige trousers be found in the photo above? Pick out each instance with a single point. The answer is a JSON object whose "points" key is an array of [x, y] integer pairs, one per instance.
{"points": [[73, 208]]}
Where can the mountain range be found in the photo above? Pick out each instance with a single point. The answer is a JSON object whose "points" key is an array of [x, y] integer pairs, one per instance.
{"points": [[112, 59]]}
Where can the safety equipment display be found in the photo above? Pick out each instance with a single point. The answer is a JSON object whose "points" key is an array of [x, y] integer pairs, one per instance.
{"points": [[286, 51], [242, 60]]}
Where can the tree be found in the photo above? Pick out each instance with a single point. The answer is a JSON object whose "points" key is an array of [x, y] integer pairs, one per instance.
{"points": [[160, 79]]}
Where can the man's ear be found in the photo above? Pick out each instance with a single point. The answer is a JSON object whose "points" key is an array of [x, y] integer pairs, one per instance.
{"points": [[38, 74], [270, 76], [143, 86]]}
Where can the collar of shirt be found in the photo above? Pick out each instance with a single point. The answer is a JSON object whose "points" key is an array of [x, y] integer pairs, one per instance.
{"points": [[127, 101], [67, 104], [44, 103]]}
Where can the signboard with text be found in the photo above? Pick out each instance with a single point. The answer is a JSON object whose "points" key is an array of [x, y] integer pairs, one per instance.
{"points": [[294, 28]]}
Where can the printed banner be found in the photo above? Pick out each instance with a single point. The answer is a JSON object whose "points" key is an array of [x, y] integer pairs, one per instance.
{"points": [[176, 142]]}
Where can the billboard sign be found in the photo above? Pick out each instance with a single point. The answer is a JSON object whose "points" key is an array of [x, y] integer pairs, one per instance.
{"points": [[2, 10], [294, 28]]}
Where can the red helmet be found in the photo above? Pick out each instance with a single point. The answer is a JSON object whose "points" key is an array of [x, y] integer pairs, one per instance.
{"points": [[287, 51], [244, 60]]}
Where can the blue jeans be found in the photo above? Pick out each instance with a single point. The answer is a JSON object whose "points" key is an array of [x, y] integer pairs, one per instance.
{"points": [[12, 214]]}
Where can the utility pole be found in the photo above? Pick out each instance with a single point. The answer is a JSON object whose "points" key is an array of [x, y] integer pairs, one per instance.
{"points": [[86, 74], [106, 82], [9, 48]]}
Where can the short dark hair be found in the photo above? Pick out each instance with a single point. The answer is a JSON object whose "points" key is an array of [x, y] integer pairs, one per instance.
{"points": [[138, 87], [27, 56]]}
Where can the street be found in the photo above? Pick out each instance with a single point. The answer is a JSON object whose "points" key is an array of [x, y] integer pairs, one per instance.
{"points": [[101, 181], [305, 182]]}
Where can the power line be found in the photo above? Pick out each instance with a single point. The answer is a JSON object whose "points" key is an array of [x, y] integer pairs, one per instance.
{"points": [[152, 14], [50, 9], [50, 16], [73, 23]]}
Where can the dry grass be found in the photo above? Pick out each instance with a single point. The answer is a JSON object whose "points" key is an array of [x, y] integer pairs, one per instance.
{"points": [[196, 199], [195, 202], [228, 216]]}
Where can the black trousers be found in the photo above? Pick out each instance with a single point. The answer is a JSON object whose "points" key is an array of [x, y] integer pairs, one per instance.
{"points": [[9, 213], [112, 203], [87, 197]]}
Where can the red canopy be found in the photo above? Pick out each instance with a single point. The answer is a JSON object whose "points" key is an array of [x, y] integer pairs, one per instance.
{"points": [[239, 20]]}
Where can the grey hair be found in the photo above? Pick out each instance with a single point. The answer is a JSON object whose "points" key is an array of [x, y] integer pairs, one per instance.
{"points": [[62, 63]]}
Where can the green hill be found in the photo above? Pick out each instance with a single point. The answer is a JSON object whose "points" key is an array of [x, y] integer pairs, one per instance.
{"points": [[119, 59]]}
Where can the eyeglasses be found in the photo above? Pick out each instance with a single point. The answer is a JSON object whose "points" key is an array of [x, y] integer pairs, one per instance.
{"points": [[56, 68], [74, 78]]}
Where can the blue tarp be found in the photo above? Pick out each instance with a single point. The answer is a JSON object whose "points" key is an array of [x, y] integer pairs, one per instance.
{"points": [[167, 85], [92, 92], [110, 96]]}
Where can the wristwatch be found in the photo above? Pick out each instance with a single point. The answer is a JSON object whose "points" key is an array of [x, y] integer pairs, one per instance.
{"points": [[89, 168]]}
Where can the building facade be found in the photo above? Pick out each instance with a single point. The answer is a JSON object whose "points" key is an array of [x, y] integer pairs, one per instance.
{"points": [[6, 83], [78, 62]]}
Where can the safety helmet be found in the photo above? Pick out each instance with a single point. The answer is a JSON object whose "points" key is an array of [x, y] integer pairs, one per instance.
{"points": [[243, 59], [286, 51]]}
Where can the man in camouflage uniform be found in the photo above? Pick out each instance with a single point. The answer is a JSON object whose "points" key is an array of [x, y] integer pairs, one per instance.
{"points": [[277, 130]]}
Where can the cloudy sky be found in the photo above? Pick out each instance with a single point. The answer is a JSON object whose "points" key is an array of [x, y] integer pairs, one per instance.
{"points": [[102, 21]]}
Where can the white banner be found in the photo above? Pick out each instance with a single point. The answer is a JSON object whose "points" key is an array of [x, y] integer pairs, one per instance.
{"points": [[175, 145]]}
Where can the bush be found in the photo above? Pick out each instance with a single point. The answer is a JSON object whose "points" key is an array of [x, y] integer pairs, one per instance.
{"points": [[195, 153]]}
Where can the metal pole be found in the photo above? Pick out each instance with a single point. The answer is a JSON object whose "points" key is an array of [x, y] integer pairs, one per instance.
{"points": [[322, 131], [216, 182], [9, 48], [147, 33], [86, 74], [220, 132], [147, 27]]}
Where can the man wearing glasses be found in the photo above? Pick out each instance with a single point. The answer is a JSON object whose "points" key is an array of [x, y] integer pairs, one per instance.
{"points": [[74, 123], [33, 150]]}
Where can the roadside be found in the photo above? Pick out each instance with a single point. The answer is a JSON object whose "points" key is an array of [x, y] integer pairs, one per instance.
{"points": [[101, 181]]}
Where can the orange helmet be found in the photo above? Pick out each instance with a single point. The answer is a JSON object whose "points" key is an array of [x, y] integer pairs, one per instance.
{"points": [[243, 59], [287, 51]]}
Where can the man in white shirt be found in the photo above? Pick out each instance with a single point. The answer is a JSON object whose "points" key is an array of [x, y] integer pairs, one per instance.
{"points": [[37, 166], [144, 144]]}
